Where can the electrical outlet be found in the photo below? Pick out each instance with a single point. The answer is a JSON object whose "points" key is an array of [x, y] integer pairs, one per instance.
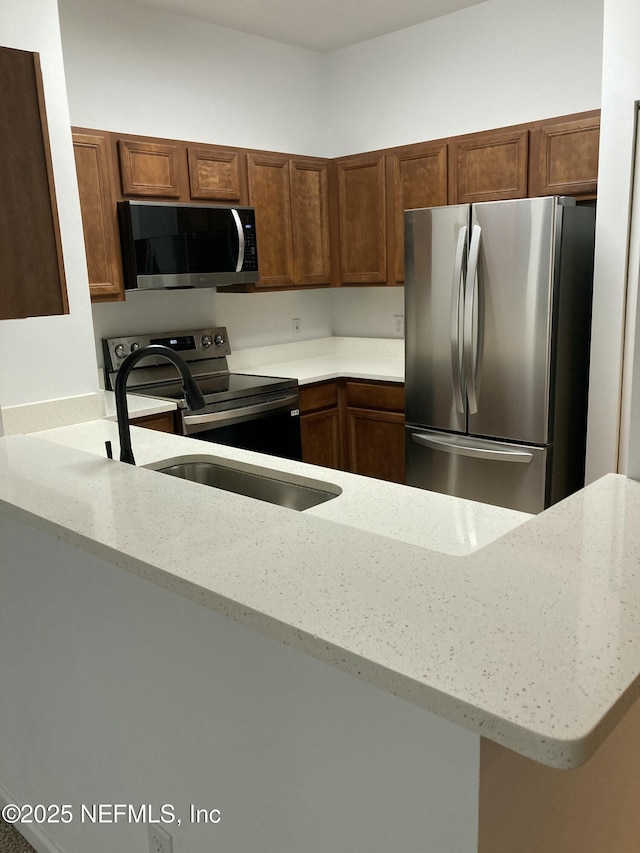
{"points": [[295, 323], [398, 323], [159, 840]]}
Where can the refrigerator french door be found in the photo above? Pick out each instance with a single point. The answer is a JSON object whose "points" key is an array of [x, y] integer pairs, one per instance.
{"points": [[497, 314]]}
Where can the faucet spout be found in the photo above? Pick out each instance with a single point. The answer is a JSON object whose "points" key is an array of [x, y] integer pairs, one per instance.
{"points": [[192, 393]]}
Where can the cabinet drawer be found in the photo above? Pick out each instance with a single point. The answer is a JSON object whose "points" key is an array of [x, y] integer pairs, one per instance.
{"points": [[375, 396], [322, 396], [162, 422]]}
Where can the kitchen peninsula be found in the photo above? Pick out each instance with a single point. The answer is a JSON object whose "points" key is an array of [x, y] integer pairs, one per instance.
{"points": [[323, 685]]}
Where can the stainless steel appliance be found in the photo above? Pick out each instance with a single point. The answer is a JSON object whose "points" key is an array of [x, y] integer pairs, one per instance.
{"points": [[498, 314], [167, 246], [242, 410]]}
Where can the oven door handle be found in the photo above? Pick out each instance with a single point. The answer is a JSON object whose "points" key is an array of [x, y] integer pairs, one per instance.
{"points": [[228, 414]]}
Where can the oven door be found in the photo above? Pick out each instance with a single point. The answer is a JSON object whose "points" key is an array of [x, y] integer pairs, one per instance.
{"points": [[266, 424]]}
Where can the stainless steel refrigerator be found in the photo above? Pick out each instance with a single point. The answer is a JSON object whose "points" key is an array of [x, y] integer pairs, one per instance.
{"points": [[498, 318]]}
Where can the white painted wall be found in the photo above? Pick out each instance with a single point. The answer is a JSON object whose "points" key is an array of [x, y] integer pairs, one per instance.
{"points": [[137, 69], [117, 691], [620, 91], [69, 369], [497, 63]]}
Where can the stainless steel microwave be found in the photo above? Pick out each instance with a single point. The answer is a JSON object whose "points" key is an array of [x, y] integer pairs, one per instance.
{"points": [[167, 246]]}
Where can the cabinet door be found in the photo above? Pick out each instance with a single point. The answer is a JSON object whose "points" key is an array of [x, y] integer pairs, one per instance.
{"points": [[163, 422], [418, 175], [32, 281], [376, 444], [217, 174], [375, 429], [270, 194], [362, 218], [564, 157], [310, 217], [98, 207], [151, 169], [489, 167], [320, 433]]}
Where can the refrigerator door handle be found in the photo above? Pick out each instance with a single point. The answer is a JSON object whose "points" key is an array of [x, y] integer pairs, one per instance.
{"points": [[471, 354], [457, 299], [502, 455]]}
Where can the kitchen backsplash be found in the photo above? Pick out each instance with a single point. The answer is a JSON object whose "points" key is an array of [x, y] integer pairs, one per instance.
{"points": [[257, 319]]}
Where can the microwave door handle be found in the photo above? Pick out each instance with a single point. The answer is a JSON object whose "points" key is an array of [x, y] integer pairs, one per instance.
{"points": [[471, 358], [457, 291], [240, 230]]}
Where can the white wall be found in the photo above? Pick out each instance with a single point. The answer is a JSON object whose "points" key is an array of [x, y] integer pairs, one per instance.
{"points": [[620, 94], [498, 63], [136, 69], [68, 367]]}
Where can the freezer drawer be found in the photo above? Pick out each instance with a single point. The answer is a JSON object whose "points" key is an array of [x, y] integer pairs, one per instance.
{"points": [[492, 472]]}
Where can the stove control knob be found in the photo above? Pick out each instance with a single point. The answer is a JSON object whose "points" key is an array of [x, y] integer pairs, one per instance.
{"points": [[218, 340], [134, 347], [206, 341], [120, 351]]}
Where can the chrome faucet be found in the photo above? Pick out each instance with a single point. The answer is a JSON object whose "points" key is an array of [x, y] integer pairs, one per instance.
{"points": [[192, 393]]}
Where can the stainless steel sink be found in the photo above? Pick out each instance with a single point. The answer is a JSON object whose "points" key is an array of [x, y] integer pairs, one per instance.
{"points": [[262, 484]]}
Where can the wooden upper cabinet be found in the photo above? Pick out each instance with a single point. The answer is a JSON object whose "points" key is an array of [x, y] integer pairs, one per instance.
{"points": [[489, 166], [217, 174], [417, 177], [270, 195], [32, 280], [151, 169], [564, 156], [309, 179], [99, 223], [362, 219]]}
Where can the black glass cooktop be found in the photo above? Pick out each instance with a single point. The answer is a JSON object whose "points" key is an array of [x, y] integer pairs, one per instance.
{"points": [[224, 386]]}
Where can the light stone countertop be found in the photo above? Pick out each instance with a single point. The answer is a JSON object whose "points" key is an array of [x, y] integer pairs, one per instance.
{"points": [[532, 639]]}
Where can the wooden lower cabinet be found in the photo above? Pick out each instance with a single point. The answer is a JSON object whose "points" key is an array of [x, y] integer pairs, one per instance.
{"points": [[320, 424], [375, 430], [162, 422], [357, 426]]}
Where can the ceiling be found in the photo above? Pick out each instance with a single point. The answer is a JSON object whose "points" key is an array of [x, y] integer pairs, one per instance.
{"points": [[322, 25]]}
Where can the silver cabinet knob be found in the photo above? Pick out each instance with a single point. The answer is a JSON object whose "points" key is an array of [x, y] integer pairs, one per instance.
{"points": [[218, 340], [206, 341], [120, 351]]}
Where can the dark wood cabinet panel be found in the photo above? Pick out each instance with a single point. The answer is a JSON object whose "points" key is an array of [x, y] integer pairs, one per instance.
{"points": [[32, 270], [418, 178], [270, 194], [320, 424], [151, 169], [310, 220], [320, 433], [489, 166], [376, 444], [162, 422], [375, 429], [564, 157], [99, 224], [375, 395], [362, 219], [323, 395], [217, 174]]}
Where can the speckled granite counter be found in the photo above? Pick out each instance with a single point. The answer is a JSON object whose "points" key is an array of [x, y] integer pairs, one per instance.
{"points": [[531, 640]]}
